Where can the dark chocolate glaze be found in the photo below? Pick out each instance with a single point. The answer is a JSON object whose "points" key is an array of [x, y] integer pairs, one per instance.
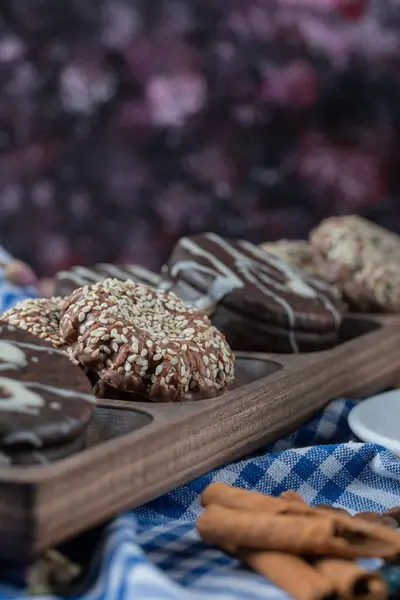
{"points": [[247, 334], [257, 300], [68, 281], [45, 400]]}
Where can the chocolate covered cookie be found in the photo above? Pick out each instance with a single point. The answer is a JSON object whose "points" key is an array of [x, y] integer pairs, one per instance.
{"points": [[45, 400], [68, 281], [362, 260], [146, 341], [261, 302]]}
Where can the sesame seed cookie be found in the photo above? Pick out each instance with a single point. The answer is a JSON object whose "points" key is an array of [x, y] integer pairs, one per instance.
{"points": [[146, 341], [39, 316], [299, 253], [362, 260]]}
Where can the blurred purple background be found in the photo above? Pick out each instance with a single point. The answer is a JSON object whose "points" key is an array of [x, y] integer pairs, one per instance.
{"points": [[125, 124]]}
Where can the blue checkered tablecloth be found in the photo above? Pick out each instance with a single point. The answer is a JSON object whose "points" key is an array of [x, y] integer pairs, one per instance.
{"points": [[154, 553]]}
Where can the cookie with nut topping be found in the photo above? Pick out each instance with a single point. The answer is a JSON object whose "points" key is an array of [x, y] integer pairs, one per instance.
{"points": [[145, 341], [299, 253], [39, 316], [362, 260]]}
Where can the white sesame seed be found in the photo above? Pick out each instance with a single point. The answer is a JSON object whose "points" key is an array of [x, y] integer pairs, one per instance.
{"points": [[158, 370]]}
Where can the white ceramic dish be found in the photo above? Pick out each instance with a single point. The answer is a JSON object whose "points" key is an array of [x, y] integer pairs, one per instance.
{"points": [[377, 420]]}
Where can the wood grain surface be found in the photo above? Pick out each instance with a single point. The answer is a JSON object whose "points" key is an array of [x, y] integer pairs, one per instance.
{"points": [[138, 451]]}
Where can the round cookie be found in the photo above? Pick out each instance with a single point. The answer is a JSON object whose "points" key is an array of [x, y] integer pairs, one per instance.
{"points": [[45, 400], [39, 316], [261, 301], [362, 260], [146, 341], [68, 281], [299, 253]]}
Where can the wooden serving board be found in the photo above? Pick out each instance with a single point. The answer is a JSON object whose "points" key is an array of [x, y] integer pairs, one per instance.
{"points": [[138, 451]]}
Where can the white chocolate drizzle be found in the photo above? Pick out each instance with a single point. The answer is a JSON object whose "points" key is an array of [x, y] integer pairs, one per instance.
{"points": [[5, 461], [62, 392], [80, 276], [225, 280], [83, 275], [22, 399], [134, 272], [144, 274], [19, 397], [28, 437], [11, 357], [113, 271], [40, 457]]}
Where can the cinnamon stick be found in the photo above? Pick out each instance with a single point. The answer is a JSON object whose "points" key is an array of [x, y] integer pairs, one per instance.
{"points": [[231, 497], [393, 513], [292, 496], [351, 581], [373, 517], [288, 503], [325, 534], [291, 573], [329, 507]]}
